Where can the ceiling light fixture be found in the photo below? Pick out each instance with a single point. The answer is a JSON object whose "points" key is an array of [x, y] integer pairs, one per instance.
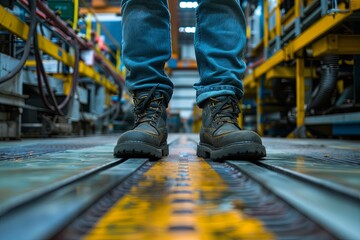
{"points": [[187, 29], [188, 4]]}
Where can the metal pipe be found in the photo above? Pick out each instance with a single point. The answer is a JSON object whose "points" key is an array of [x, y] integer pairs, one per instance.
{"points": [[327, 85]]}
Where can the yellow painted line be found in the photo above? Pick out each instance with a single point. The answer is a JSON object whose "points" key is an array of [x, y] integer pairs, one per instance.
{"points": [[180, 197]]}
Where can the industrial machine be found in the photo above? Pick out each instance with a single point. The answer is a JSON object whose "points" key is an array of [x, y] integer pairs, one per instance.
{"points": [[303, 76], [57, 74]]}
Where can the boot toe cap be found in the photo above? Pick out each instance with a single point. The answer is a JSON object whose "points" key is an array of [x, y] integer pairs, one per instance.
{"points": [[136, 136], [242, 136]]}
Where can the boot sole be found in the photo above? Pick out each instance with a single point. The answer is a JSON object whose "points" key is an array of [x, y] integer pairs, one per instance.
{"points": [[240, 151], [140, 149]]}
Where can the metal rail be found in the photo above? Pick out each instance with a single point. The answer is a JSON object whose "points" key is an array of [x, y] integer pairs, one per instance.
{"points": [[336, 213], [47, 212], [353, 194], [25, 199]]}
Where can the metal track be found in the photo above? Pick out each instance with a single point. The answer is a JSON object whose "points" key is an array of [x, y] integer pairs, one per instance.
{"points": [[185, 197]]}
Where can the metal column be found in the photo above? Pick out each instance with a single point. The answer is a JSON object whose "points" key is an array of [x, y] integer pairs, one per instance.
{"points": [[300, 93], [259, 107]]}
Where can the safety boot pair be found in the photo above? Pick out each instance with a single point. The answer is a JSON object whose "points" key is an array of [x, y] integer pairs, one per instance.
{"points": [[148, 138], [220, 136]]}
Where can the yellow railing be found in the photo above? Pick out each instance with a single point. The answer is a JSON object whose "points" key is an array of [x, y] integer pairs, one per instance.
{"points": [[99, 30], [20, 29], [255, 80]]}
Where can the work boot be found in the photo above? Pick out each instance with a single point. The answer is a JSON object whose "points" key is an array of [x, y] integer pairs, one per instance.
{"points": [[220, 136], [149, 135]]}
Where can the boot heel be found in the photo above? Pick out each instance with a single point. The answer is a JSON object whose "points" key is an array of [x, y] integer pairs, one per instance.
{"points": [[202, 152], [165, 151]]}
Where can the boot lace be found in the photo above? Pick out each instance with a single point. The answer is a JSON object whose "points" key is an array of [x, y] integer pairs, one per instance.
{"points": [[225, 110], [148, 108]]}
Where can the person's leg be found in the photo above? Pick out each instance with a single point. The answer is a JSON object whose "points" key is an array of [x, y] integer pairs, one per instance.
{"points": [[146, 44], [220, 39], [146, 47]]}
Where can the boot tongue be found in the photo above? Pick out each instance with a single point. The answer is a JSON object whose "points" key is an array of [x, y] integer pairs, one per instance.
{"points": [[227, 108], [226, 114], [144, 94], [145, 108]]}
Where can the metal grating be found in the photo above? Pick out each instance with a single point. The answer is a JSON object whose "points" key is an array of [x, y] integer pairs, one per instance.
{"points": [[13, 153]]}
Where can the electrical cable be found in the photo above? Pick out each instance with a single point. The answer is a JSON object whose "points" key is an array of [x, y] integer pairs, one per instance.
{"points": [[41, 90], [111, 110], [42, 77], [56, 21], [32, 28], [75, 76]]}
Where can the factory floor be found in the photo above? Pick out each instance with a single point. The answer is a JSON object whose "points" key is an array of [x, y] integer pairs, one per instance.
{"points": [[71, 188]]}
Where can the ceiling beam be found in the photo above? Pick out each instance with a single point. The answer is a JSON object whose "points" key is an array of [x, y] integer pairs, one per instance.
{"points": [[108, 9], [99, 3]]}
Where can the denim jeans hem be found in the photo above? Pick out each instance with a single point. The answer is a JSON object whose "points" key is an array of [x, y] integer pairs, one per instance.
{"points": [[205, 93]]}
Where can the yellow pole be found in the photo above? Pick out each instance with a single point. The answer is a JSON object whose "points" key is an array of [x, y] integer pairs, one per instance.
{"points": [[241, 116], [300, 92], [107, 98], [259, 108], [278, 18], [67, 84], [76, 14], [98, 32], [297, 8], [118, 62], [98, 28], [88, 26]]}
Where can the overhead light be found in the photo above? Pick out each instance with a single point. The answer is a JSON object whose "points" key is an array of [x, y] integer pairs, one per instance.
{"points": [[257, 11], [187, 29], [188, 4]]}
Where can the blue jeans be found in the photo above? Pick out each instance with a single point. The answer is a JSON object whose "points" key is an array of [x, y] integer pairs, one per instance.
{"points": [[220, 39]]}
